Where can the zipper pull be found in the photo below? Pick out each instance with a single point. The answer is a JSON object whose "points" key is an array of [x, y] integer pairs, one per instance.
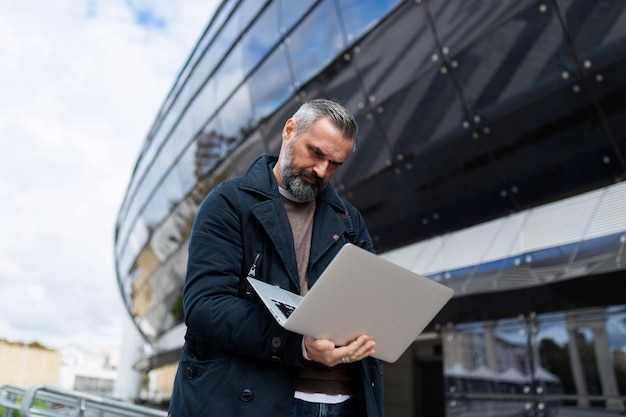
{"points": [[252, 271]]}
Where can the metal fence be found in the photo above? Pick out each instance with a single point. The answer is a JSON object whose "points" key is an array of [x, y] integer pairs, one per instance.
{"points": [[46, 401]]}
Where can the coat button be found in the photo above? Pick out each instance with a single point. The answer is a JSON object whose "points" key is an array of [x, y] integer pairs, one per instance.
{"points": [[246, 395], [189, 372], [277, 342]]}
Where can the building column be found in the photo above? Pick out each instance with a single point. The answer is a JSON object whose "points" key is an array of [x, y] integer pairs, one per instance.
{"points": [[449, 346], [490, 345], [575, 363], [602, 352]]}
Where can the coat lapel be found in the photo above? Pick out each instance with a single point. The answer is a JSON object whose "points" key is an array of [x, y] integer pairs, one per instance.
{"points": [[327, 231], [273, 218]]}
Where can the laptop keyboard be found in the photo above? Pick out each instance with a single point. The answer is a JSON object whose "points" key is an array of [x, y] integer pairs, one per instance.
{"points": [[286, 309]]}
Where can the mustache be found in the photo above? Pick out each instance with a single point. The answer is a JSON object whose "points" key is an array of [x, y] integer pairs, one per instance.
{"points": [[311, 174]]}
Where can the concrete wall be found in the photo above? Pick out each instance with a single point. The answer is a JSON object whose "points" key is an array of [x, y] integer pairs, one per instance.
{"points": [[23, 365]]}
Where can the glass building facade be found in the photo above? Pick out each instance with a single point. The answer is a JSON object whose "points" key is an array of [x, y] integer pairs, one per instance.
{"points": [[491, 157]]}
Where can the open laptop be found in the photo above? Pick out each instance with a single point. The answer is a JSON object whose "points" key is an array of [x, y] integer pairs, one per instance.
{"points": [[360, 292]]}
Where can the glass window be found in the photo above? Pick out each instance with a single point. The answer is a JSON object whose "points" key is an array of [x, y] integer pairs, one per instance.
{"points": [[172, 188], [133, 212], [596, 27], [228, 35], [206, 149], [270, 84], [459, 25], [248, 10], [522, 88], [360, 16], [372, 156], [292, 11], [185, 168], [204, 106], [261, 38], [136, 241], [215, 25], [402, 79], [157, 208], [315, 42], [272, 127], [525, 54], [487, 368], [236, 118], [204, 69], [229, 75]]}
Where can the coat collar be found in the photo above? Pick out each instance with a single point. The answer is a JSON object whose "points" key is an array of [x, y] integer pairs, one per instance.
{"points": [[260, 180]]}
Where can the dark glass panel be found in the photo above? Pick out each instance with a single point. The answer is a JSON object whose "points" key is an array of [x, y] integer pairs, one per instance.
{"points": [[524, 54], [531, 110], [414, 98], [360, 16], [458, 25], [270, 85], [393, 57], [371, 157], [315, 42], [596, 28], [598, 32], [342, 82], [272, 128]]}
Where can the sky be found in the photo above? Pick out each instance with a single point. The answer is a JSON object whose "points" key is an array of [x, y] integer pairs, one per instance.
{"points": [[81, 82]]}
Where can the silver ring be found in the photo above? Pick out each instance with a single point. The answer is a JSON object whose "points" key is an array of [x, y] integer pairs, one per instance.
{"points": [[345, 359]]}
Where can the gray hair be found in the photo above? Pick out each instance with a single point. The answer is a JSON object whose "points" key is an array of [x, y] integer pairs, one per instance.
{"points": [[312, 111]]}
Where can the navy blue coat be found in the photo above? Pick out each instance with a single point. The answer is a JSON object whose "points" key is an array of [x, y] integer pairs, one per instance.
{"points": [[236, 360]]}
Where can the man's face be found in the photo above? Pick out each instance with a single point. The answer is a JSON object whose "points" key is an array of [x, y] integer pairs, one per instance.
{"points": [[308, 161]]}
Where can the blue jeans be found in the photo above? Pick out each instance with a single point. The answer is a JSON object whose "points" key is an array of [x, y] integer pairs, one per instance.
{"points": [[348, 408]]}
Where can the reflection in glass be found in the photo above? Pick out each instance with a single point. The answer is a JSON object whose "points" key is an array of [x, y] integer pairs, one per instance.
{"points": [[229, 75], [260, 38], [291, 11], [360, 16], [236, 118], [270, 84], [562, 362], [315, 42]]}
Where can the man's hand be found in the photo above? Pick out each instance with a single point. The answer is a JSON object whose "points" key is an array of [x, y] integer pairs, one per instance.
{"points": [[325, 352]]}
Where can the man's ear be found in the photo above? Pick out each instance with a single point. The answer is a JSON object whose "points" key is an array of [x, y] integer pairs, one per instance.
{"points": [[289, 130]]}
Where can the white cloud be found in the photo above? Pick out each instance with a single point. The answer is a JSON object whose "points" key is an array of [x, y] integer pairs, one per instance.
{"points": [[81, 84]]}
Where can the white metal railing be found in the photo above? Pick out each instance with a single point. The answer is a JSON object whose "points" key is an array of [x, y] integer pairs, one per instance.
{"points": [[46, 401]]}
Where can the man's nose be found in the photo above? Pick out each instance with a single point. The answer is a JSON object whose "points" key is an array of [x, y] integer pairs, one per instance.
{"points": [[322, 168]]}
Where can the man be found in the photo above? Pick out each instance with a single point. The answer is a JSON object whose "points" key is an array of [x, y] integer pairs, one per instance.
{"points": [[282, 223]]}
